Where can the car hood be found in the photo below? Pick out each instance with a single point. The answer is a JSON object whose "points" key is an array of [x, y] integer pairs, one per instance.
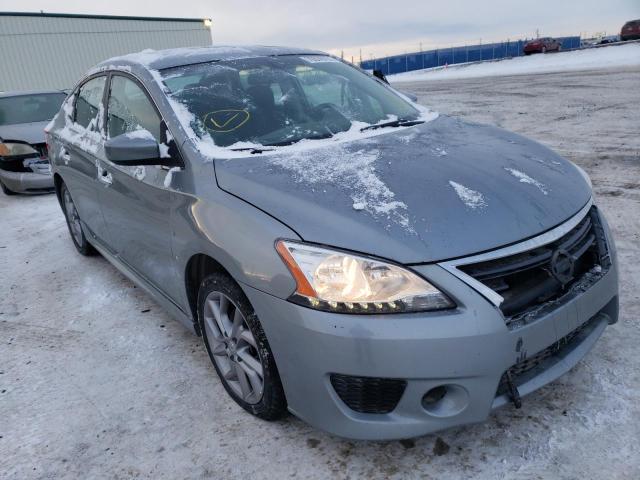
{"points": [[24, 132], [436, 191]]}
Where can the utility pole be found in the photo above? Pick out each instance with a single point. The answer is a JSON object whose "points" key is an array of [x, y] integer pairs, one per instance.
{"points": [[537, 33], [341, 54], [360, 56]]}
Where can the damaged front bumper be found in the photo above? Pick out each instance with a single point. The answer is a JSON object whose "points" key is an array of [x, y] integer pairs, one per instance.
{"points": [[30, 175], [399, 376]]}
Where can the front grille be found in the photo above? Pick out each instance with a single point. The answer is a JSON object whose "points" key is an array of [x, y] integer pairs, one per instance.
{"points": [[543, 276], [368, 394], [556, 349]]}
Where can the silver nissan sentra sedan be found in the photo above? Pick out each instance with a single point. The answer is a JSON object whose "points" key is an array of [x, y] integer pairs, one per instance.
{"points": [[377, 269]]}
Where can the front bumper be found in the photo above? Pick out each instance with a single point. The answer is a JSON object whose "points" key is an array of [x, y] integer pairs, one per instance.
{"points": [[27, 182], [467, 350]]}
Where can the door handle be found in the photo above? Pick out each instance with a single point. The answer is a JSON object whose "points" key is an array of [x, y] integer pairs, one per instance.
{"points": [[105, 177], [66, 158]]}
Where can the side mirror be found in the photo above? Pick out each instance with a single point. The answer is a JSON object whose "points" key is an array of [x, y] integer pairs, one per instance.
{"points": [[380, 75], [136, 148]]}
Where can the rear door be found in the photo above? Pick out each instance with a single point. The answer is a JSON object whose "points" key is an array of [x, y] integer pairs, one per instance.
{"points": [[135, 202], [81, 145]]}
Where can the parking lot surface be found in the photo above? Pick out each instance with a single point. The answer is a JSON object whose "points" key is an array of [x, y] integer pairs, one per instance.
{"points": [[97, 382]]}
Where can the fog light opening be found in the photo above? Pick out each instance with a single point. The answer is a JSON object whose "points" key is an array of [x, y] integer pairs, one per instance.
{"points": [[433, 396], [445, 400]]}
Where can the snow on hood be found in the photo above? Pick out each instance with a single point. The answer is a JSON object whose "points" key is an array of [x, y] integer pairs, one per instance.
{"points": [[352, 171], [405, 200]]}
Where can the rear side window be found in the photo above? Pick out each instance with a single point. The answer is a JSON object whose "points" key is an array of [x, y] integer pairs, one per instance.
{"points": [[89, 101], [130, 109]]}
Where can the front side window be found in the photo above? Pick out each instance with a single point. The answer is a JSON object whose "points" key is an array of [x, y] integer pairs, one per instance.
{"points": [[281, 100], [30, 108], [89, 101], [130, 109]]}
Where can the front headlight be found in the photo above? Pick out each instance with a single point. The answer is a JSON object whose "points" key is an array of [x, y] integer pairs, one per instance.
{"points": [[339, 282], [16, 149]]}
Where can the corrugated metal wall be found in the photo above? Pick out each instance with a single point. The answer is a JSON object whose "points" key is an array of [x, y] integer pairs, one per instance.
{"points": [[450, 56], [53, 52]]}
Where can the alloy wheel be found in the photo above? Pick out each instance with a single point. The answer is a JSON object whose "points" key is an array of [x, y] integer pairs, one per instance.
{"points": [[72, 217], [233, 347]]}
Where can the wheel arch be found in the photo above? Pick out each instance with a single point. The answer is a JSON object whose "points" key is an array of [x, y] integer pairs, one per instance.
{"points": [[200, 266], [57, 183]]}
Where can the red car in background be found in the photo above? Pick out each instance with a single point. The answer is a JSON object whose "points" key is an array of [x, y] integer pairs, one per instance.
{"points": [[542, 45], [630, 31]]}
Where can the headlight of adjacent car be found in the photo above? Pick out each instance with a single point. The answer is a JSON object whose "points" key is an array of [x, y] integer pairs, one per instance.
{"points": [[340, 282], [16, 149]]}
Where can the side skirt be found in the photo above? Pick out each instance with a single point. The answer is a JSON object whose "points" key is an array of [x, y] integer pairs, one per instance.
{"points": [[166, 303]]}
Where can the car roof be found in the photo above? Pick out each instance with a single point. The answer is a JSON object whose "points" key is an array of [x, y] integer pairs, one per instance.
{"points": [[161, 59], [28, 93]]}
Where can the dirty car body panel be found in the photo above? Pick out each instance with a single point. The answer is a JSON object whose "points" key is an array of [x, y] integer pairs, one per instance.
{"points": [[476, 211]]}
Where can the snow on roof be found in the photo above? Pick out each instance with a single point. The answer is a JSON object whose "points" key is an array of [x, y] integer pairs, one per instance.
{"points": [[160, 59]]}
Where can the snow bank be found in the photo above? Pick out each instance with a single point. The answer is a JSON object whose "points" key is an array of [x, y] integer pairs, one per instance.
{"points": [[591, 59]]}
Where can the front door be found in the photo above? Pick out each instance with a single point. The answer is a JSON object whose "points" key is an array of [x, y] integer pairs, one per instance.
{"points": [[135, 202]]}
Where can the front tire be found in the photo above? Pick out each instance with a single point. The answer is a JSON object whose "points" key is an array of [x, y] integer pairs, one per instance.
{"points": [[74, 223], [238, 348]]}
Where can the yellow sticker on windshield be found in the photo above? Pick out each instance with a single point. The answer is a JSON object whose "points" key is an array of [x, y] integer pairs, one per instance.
{"points": [[227, 120]]}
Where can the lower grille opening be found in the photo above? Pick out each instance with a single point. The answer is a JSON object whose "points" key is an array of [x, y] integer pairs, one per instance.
{"points": [[518, 370], [544, 276], [368, 394]]}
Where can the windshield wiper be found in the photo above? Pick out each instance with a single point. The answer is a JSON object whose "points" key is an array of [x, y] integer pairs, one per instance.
{"points": [[285, 143], [393, 123], [252, 150]]}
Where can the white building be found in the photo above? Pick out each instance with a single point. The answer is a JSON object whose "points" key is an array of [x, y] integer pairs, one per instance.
{"points": [[51, 50]]}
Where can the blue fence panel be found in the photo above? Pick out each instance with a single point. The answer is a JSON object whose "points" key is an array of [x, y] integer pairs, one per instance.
{"points": [[450, 56]]}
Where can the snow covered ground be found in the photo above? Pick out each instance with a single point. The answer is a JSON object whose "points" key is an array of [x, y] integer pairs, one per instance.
{"points": [[604, 58], [96, 381]]}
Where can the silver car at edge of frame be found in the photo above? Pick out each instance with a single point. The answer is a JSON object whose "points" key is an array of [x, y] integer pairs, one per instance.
{"points": [[376, 269], [24, 162]]}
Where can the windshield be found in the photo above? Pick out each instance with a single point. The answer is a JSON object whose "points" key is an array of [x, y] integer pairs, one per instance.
{"points": [[281, 100], [30, 108]]}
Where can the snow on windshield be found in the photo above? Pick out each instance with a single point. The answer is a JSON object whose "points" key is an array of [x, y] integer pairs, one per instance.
{"points": [[231, 110]]}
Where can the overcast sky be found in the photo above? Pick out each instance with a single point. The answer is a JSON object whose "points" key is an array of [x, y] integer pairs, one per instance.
{"points": [[375, 27]]}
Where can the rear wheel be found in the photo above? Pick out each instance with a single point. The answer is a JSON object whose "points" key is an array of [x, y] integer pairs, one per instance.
{"points": [[5, 190], [74, 223], [238, 348]]}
